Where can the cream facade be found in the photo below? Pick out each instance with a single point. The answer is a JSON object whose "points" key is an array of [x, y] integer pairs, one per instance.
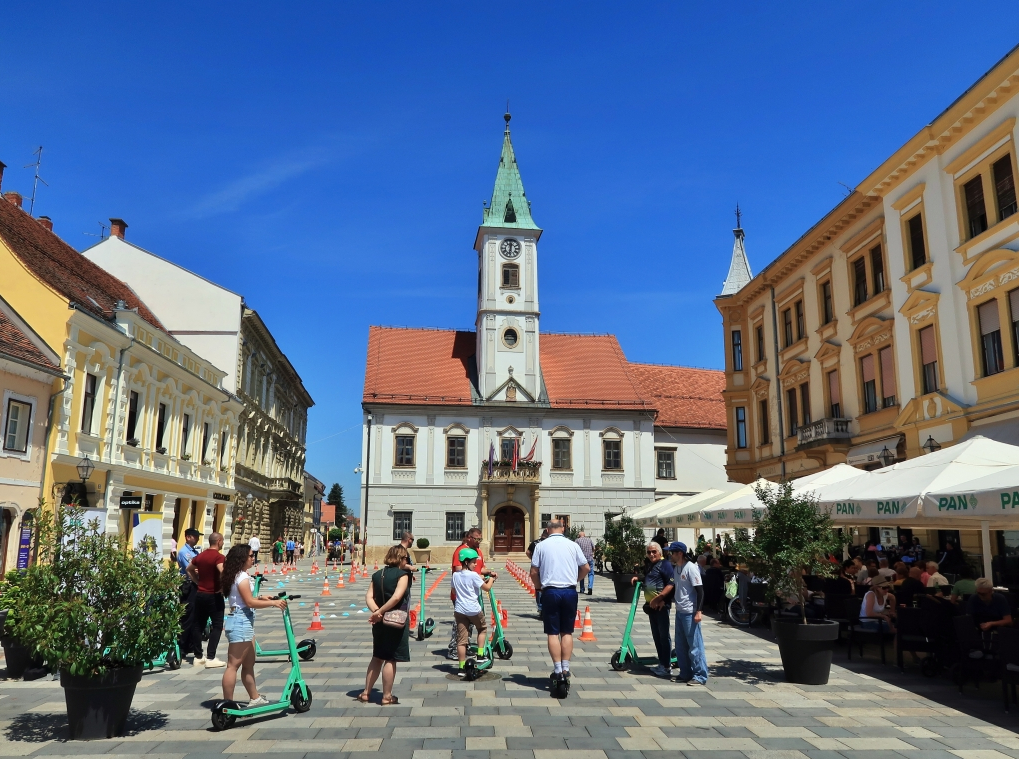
{"points": [[894, 322]]}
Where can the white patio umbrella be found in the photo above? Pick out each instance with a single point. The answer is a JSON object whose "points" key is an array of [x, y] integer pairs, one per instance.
{"points": [[678, 514], [653, 508]]}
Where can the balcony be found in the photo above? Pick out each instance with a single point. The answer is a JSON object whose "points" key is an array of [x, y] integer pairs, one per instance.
{"points": [[528, 473], [823, 431]]}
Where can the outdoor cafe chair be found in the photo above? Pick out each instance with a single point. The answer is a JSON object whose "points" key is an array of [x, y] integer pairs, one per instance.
{"points": [[911, 637], [859, 634], [973, 656], [1008, 661]]}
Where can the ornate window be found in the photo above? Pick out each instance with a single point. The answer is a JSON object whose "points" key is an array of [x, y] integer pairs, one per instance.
{"points": [[404, 439], [928, 345], [737, 350], [612, 449], [89, 403], [562, 449], [741, 427]]}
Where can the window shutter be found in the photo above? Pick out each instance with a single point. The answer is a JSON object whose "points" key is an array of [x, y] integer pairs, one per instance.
{"points": [[867, 367], [1013, 300], [989, 321], [887, 372], [928, 349], [833, 387]]}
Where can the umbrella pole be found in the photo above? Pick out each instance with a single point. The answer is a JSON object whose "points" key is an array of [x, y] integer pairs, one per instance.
{"points": [[985, 537]]}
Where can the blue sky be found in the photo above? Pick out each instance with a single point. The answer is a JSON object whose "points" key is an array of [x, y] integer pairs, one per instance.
{"points": [[329, 160]]}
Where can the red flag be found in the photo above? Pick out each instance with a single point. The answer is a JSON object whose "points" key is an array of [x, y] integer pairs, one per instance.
{"points": [[516, 452], [530, 454]]}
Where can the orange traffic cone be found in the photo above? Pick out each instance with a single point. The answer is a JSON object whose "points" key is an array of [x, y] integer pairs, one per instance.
{"points": [[325, 586], [577, 623], [353, 577], [316, 620], [505, 619], [588, 633], [339, 583], [376, 565]]}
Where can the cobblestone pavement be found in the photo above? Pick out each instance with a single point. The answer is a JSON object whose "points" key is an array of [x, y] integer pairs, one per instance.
{"points": [[745, 712]]}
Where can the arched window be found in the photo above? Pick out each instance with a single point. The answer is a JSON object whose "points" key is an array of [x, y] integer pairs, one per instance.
{"points": [[612, 449], [562, 449]]}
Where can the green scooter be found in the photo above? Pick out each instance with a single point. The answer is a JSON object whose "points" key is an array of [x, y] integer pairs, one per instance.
{"points": [[626, 656], [425, 626], [495, 645], [169, 659], [305, 649], [296, 692]]}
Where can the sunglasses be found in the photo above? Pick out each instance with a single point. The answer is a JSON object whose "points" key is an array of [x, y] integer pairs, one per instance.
{"points": [[651, 552]]}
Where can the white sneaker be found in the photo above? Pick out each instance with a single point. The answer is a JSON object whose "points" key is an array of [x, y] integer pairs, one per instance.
{"points": [[260, 701], [199, 662], [214, 663]]}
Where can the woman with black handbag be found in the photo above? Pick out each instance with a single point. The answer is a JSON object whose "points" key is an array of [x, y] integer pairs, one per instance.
{"points": [[387, 599]]}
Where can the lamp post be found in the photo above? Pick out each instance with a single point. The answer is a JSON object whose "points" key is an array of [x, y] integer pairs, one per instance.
{"points": [[367, 485], [931, 445]]}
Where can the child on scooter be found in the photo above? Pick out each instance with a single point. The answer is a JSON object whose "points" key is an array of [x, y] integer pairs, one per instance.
{"points": [[467, 583]]}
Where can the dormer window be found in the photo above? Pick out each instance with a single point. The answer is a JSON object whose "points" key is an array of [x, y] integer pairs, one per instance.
{"points": [[510, 217]]}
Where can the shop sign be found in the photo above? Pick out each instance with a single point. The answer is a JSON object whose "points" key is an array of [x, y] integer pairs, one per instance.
{"points": [[24, 547], [221, 497], [130, 502]]}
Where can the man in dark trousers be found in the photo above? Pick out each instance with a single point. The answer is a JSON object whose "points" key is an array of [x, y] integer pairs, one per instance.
{"points": [[205, 571], [188, 593]]}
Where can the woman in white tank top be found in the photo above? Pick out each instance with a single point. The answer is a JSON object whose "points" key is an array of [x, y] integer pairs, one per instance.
{"points": [[878, 604]]}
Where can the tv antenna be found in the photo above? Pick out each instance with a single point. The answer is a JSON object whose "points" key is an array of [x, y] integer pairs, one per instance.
{"points": [[38, 179], [103, 232]]}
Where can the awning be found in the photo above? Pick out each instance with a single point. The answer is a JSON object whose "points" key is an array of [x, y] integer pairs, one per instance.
{"points": [[1004, 431], [869, 453]]}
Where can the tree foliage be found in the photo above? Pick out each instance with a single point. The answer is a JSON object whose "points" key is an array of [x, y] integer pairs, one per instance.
{"points": [[335, 498], [624, 544], [335, 533], [790, 534], [91, 603]]}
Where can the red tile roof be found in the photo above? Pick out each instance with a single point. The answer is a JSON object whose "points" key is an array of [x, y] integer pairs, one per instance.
{"points": [[433, 367], [64, 269], [16, 344], [684, 397]]}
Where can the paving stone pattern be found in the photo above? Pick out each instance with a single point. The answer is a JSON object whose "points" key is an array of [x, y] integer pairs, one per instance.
{"points": [[745, 712]]}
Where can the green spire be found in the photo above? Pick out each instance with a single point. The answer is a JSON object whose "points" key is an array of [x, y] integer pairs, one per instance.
{"points": [[509, 206]]}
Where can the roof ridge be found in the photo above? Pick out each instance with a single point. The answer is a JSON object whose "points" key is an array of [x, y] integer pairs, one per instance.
{"points": [[677, 366]]}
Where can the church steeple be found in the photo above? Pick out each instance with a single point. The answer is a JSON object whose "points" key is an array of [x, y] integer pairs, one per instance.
{"points": [[509, 207], [739, 268]]}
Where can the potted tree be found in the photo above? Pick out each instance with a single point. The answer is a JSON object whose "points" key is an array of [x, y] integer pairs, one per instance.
{"points": [[792, 534], [624, 551], [422, 554], [17, 655], [97, 612]]}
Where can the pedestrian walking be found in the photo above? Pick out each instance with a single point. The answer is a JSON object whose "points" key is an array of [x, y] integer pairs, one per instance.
{"points": [[387, 598], [240, 623], [587, 547], [300, 549], [255, 544], [689, 594], [472, 540], [188, 593], [557, 567], [205, 570], [277, 550], [290, 550], [407, 540], [659, 584]]}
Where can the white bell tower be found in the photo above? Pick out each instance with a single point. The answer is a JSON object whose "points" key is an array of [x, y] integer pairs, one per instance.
{"points": [[507, 320]]}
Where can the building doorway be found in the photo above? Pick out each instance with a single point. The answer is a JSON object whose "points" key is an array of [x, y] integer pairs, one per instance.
{"points": [[508, 536]]}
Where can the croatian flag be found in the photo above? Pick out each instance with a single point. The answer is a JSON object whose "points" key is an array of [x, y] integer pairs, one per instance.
{"points": [[516, 452], [491, 458], [530, 454]]}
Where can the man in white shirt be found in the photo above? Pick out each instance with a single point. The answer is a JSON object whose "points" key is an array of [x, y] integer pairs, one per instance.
{"points": [[689, 596], [557, 567], [254, 544], [935, 578], [885, 571]]}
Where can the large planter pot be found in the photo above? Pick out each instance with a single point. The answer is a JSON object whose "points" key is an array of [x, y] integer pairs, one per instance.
{"points": [[97, 707], [806, 649], [624, 587], [19, 657], [422, 555]]}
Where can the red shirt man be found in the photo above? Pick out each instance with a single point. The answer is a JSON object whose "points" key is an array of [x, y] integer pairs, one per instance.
{"points": [[473, 540], [209, 565]]}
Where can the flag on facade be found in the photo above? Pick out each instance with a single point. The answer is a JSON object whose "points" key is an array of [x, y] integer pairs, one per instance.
{"points": [[516, 452], [491, 458], [530, 453]]}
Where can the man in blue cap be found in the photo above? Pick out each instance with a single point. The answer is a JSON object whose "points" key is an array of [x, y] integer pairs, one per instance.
{"points": [[689, 597]]}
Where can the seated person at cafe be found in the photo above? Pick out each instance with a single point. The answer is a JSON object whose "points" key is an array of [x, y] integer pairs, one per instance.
{"points": [[843, 584], [878, 604], [988, 608], [934, 577], [884, 570], [908, 584], [859, 569], [964, 586]]}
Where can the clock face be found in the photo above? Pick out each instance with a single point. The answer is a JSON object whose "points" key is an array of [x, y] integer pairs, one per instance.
{"points": [[509, 248]]}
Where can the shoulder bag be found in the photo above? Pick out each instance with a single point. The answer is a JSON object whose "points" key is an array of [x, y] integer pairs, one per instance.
{"points": [[394, 617]]}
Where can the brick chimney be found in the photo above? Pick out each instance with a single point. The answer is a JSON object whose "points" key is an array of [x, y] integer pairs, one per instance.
{"points": [[2, 167], [46, 222], [14, 197], [117, 228]]}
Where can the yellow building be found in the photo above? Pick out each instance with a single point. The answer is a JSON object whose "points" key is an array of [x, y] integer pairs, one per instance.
{"points": [[146, 411], [892, 325]]}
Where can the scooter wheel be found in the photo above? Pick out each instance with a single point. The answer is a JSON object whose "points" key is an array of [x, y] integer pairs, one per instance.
{"points": [[429, 627], [506, 651], [307, 654], [470, 671], [172, 662], [299, 702], [617, 663], [222, 721]]}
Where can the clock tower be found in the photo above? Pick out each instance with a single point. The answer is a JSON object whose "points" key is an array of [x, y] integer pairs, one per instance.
{"points": [[507, 320]]}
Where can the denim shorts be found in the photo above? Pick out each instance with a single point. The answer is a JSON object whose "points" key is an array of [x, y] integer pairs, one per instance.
{"points": [[240, 626]]}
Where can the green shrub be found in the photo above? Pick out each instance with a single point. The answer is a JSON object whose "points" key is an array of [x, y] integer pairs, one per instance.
{"points": [[422, 543], [624, 544], [335, 533]]}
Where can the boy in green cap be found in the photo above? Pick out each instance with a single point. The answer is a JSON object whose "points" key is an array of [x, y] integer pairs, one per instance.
{"points": [[467, 584]]}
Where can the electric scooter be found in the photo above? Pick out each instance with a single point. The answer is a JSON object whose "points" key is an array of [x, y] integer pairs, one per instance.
{"points": [[495, 644], [296, 692], [305, 649], [425, 625], [626, 656], [169, 659]]}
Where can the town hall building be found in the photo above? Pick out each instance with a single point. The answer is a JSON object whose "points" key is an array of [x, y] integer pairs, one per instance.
{"points": [[508, 427]]}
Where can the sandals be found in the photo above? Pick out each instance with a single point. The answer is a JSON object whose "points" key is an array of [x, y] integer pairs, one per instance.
{"points": [[390, 701], [363, 698]]}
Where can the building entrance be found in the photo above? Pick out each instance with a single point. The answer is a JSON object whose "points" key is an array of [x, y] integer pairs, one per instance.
{"points": [[508, 536]]}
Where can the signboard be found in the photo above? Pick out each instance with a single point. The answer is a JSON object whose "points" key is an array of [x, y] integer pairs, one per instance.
{"points": [[221, 497], [147, 527], [130, 502], [869, 511], [24, 547], [83, 517]]}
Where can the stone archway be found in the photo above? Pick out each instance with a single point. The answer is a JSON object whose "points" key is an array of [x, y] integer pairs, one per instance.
{"points": [[509, 529]]}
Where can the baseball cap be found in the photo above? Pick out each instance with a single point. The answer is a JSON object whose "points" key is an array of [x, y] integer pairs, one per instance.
{"points": [[191, 531], [677, 546], [466, 554]]}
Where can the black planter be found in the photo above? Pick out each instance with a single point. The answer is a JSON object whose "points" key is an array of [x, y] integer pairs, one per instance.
{"points": [[18, 657], [97, 707], [806, 649], [624, 588]]}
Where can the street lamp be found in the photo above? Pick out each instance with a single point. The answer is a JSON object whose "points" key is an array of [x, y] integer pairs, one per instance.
{"points": [[249, 499], [85, 468], [886, 456], [931, 445], [364, 516]]}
